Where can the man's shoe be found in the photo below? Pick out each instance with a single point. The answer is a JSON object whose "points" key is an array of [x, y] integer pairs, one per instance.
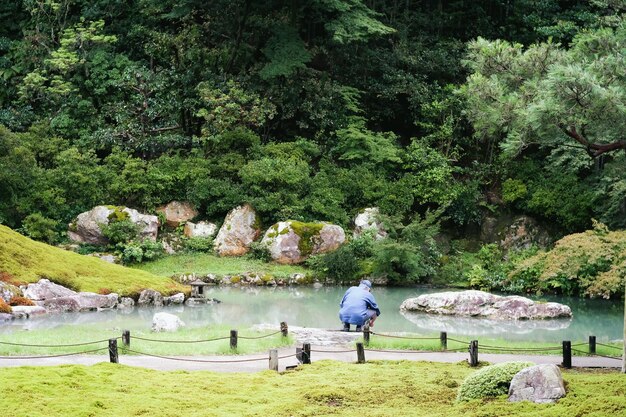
{"points": [[346, 327], [359, 329]]}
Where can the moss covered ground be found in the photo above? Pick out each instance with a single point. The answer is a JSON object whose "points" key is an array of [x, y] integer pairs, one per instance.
{"points": [[325, 388], [201, 264], [28, 261]]}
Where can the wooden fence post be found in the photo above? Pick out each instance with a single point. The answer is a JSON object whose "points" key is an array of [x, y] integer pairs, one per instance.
{"points": [[443, 338], [473, 352], [233, 339], [274, 359], [113, 357], [126, 337], [306, 353], [360, 353], [366, 334], [284, 329], [592, 345], [567, 354]]}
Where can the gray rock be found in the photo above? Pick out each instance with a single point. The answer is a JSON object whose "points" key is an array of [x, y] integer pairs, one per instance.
{"points": [[200, 229], [150, 297], [196, 301], [174, 299], [539, 384], [8, 291], [84, 301], [514, 233], [177, 212], [368, 220], [126, 303], [86, 227], [45, 290], [240, 229], [166, 322], [106, 257], [284, 240], [482, 304], [5, 317], [28, 311]]}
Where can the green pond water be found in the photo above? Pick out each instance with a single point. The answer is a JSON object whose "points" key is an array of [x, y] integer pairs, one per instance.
{"points": [[242, 307]]}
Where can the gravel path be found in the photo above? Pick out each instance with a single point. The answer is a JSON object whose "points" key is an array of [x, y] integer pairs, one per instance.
{"points": [[325, 345]]}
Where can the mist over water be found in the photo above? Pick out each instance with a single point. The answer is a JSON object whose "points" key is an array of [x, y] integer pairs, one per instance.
{"points": [[243, 307]]}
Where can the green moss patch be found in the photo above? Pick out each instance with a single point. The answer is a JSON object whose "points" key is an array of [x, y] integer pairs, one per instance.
{"points": [[307, 233], [376, 389], [29, 261]]}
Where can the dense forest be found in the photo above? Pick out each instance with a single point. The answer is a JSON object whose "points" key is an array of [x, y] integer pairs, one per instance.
{"points": [[437, 112]]}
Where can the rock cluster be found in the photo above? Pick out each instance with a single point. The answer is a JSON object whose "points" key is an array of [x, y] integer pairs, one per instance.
{"points": [[483, 304], [245, 279]]}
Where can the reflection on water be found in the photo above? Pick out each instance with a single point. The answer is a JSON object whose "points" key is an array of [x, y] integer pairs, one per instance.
{"points": [[311, 307]]}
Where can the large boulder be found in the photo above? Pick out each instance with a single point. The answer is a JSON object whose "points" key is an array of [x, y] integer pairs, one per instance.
{"points": [[45, 290], [200, 229], [8, 291], [26, 312], [292, 242], [86, 228], [150, 297], [177, 212], [368, 220], [482, 304], [539, 384], [241, 227], [84, 301], [165, 322], [514, 233]]}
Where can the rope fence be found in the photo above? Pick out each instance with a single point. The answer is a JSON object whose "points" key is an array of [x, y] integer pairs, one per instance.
{"points": [[303, 354]]}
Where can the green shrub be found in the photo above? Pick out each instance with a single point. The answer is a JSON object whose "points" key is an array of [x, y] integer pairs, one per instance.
{"points": [[198, 244], [135, 252], [260, 251], [490, 381], [121, 231], [40, 228]]}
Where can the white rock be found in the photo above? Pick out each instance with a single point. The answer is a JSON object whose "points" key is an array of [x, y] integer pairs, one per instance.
{"points": [[166, 322], [539, 384]]}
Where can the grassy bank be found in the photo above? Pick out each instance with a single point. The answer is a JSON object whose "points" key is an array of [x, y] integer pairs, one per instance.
{"points": [[432, 343], [321, 389], [202, 264], [68, 335], [29, 261]]}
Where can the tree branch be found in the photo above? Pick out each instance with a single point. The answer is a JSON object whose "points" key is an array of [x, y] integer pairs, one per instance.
{"points": [[593, 149]]}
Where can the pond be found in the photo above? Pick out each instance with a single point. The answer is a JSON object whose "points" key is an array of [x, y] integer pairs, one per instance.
{"points": [[242, 307]]}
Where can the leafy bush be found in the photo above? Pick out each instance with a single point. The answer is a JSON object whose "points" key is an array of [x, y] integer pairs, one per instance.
{"points": [[40, 228], [260, 251], [135, 252], [490, 381], [198, 244], [592, 263], [121, 231]]}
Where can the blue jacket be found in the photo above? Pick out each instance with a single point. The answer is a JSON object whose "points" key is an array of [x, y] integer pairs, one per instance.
{"points": [[354, 305]]}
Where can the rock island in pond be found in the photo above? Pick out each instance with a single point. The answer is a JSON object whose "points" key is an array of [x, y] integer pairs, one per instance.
{"points": [[482, 304]]}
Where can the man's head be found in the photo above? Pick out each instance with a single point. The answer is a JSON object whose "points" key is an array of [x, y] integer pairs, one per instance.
{"points": [[366, 285]]}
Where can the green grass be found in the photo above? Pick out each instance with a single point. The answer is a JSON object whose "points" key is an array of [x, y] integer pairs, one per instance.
{"points": [[67, 335], [29, 261], [203, 263], [323, 388], [432, 343]]}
